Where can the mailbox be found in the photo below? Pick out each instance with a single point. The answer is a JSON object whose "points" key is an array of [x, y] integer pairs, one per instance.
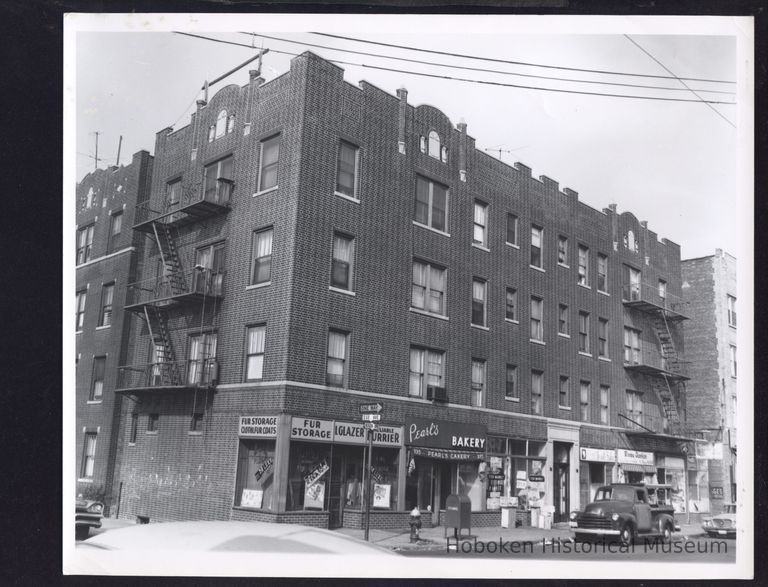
{"points": [[458, 514]]}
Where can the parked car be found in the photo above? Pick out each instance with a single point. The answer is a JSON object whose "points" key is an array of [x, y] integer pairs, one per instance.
{"points": [[88, 514], [626, 511], [723, 524]]}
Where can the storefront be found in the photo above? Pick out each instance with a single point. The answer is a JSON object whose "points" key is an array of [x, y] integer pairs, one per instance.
{"points": [[671, 470], [516, 473], [596, 468], [635, 466], [444, 458]]}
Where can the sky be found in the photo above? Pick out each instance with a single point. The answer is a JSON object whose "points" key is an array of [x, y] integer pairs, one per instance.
{"points": [[676, 165]]}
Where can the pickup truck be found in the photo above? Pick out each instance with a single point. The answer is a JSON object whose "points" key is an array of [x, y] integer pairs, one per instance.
{"points": [[627, 511]]}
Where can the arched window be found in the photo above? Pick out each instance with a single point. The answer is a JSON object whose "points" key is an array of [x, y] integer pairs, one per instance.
{"points": [[422, 144], [434, 145], [211, 132], [631, 243], [444, 154], [221, 124], [230, 123]]}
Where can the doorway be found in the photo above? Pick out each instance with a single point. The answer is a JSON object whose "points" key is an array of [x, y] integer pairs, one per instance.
{"points": [[346, 491], [562, 481]]}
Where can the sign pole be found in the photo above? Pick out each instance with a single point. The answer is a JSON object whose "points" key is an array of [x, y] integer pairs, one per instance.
{"points": [[368, 486]]}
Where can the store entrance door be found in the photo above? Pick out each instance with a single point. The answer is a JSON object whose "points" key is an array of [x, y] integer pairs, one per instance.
{"points": [[562, 481], [346, 489]]}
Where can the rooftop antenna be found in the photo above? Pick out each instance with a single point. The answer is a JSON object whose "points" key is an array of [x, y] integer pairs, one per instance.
{"points": [[500, 151], [119, 145], [96, 156]]}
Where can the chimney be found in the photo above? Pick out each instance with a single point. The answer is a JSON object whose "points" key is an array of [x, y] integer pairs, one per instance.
{"points": [[462, 126], [644, 241], [402, 94], [614, 226]]}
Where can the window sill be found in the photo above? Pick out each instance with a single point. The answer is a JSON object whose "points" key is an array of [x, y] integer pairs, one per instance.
{"points": [[606, 359], [513, 245], [151, 433], [479, 327], [566, 408], [732, 326], [258, 285], [538, 268], [425, 313], [563, 265], [262, 192], [512, 399], [536, 341], [194, 433], [78, 331], [560, 334], [584, 285], [583, 354], [511, 321], [605, 293], [85, 480], [93, 401], [419, 224], [346, 197], [103, 327], [481, 247], [346, 292]]}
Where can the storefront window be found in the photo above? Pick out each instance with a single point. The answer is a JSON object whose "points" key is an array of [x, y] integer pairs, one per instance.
{"points": [[676, 478], [471, 485], [698, 490], [308, 477], [255, 474], [384, 478]]}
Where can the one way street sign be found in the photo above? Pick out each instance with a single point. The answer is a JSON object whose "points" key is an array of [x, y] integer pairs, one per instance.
{"points": [[371, 408]]}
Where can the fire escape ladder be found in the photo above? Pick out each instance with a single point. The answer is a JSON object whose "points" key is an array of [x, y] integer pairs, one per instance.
{"points": [[170, 258], [165, 368], [667, 391]]}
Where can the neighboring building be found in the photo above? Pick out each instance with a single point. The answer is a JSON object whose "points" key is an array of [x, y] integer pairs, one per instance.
{"points": [[106, 257], [709, 288], [318, 246]]}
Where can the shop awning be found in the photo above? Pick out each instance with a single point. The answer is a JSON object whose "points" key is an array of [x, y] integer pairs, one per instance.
{"points": [[638, 468], [445, 454]]}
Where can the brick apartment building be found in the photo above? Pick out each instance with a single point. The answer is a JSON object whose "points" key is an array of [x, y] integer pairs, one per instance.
{"points": [[107, 253], [709, 288], [314, 245]]}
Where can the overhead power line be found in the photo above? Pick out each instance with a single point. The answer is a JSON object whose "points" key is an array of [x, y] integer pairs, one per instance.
{"points": [[521, 62], [480, 69], [482, 82]]}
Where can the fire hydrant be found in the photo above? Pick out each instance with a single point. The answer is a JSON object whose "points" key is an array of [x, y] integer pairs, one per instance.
{"points": [[415, 523]]}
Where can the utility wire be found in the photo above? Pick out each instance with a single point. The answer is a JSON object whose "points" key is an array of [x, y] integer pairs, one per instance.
{"points": [[522, 62], [482, 82], [680, 80], [480, 69]]}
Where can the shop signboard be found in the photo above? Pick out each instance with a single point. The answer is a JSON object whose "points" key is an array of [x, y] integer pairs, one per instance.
{"points": [[252, 498], [597, 455], [440, 434], [311, 429], [344, 432], [634, 457], [258, 426], [716, 492]]}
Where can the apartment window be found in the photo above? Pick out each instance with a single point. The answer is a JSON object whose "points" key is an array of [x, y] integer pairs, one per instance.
{"points": [[562, 320], [172, 194], [662, 289], [537, 243], [347, 169], [562, 250], [217, 181], [84, 244], [537, 391], [583, 265], [480, 228], [80, 310], [336, 366], [434, 145], [89, 454], [511, 391], [431, 204], [564, 392], [733, 360], [631, 346], [583, 332], [97, 379], [630, 290], [479, 292], [635, 406], [602, 337], [202, 358], [512, 222], [428, 288], [107, 294], [221, 124], [209, 278], [342, 261], [585, 391], [261, 253], [134, 427], [270, 151], [511, 304], [537, 318], [427, 368], [731, 311], [605, 393], [115, 227], [602, 273], [254, 356], [196, 422], [478, 382], [152, 423]]}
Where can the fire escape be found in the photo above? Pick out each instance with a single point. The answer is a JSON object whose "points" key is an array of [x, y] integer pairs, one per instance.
{"points": [[175, 289], [667, 376]]}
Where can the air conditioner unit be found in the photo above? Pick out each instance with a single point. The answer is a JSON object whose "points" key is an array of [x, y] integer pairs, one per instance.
{"points": [[437, 394]]}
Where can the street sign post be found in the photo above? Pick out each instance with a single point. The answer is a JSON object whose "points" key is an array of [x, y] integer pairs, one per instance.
{"points": [[371, 417], [371, 408]]}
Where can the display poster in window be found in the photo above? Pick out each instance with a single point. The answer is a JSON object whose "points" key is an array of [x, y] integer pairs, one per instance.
{"points": [[316, 473], [264, 471], [252, 498], [314, 496], [381, 495]]}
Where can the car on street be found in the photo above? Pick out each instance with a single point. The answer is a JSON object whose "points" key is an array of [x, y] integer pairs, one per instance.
{"points": [[723, 524], [88, 514]]}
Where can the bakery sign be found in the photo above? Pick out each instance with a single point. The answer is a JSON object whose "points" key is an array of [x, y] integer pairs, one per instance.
{"points": [[421, 432]]}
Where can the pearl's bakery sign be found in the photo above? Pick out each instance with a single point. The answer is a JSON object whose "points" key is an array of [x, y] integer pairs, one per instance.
{"points": [[439, 434]]}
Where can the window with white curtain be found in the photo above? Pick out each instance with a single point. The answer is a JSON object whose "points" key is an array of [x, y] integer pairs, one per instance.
{"points": [[97, 383], [261, 253], [426, 368], [342, 261], [537, 245], [202, 357], [478, 382], [89, 454], [537, 391], [602, 273], [434, 144], [537, 318], [107, 295], [584, 393], [428, 287], [254, 359], [221, 124], [217, 180], [336, 367], [583, 265], [346, 170], [431, 204], [270, 153], [479, 293], [584, 332], [605, 393], [84, 244], [631, 346], [80, 310], [480, 227]]}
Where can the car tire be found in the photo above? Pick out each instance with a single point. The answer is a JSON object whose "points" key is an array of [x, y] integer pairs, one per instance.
{"points": [[81, 532], [626, 534], [666, 534], [579, 537]]}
